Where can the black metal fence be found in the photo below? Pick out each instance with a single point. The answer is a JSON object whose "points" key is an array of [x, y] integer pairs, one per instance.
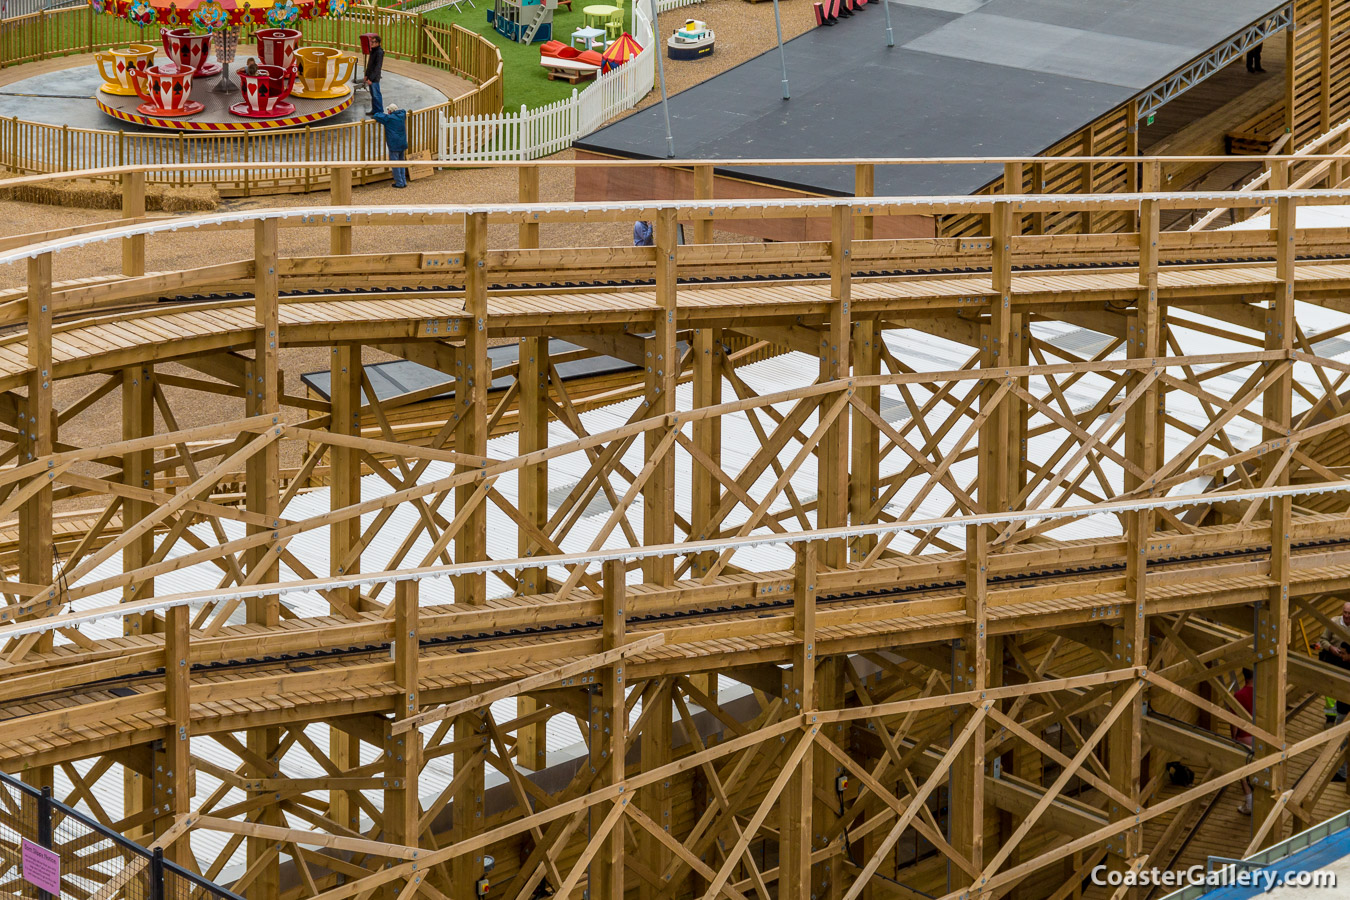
{"points": [[96, 863]]}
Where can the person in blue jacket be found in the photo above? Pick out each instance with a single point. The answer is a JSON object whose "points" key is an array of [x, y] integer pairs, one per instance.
{"points": [[395, 124], [642, 234]]}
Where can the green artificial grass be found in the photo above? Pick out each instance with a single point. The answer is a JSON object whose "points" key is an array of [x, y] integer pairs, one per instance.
{"points": [[525, 80]]}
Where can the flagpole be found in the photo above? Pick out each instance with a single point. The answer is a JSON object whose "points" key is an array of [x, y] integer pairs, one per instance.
{"points": [[890, 35], [661, 70], [782, 57]]}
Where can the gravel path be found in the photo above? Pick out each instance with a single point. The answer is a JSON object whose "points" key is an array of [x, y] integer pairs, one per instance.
{"points": [[744, 31]]}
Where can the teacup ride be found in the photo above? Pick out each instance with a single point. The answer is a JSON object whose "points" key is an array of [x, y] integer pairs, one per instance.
{"points": [[325, 73], [188, 50], [167, 91], [277, 46], [265, 93], [117, 67]]}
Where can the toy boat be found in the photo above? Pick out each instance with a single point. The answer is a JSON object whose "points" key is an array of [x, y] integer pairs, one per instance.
{"points": [[693, 40], [569, 70], [558, 50]]}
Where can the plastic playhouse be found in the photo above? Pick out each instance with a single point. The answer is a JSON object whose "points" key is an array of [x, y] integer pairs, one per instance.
{"points": [[523, 21]]}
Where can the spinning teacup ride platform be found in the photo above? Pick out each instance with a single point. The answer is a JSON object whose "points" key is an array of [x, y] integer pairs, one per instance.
{"points": [[181, 89]]}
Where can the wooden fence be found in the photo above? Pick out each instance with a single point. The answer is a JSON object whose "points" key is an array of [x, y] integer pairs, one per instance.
{"points": [[31, 147]]}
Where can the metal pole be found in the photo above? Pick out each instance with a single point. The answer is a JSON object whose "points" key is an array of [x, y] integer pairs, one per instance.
{"points": [[890, 35], [44, 828], [661, 71], [782, 56]]}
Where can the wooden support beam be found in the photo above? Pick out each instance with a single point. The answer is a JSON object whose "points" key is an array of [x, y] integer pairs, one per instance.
{"points": [[709, 359], [344, 537], [832, 506], [37, 437], [473, 374], [138, 471], [532, 740], [797, 804], [865, 441], [1324, 84], [403, 750], [262, 391], [609, 726], [172, 792], [1272, 620], [662, 364], [1143, 431]]}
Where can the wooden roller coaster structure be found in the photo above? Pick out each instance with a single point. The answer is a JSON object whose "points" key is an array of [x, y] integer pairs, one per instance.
{"points": [[978, 703]]}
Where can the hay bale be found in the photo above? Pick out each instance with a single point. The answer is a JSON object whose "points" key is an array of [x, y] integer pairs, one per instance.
{"points": [[105, 195]]}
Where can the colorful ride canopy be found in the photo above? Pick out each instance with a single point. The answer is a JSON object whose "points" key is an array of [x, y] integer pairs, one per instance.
{"points": [[212, 15]]}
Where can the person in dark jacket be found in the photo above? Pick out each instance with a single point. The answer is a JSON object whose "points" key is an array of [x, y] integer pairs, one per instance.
{"points": [[395, 124], [374, 69], [1254, 59], [642, 234]]}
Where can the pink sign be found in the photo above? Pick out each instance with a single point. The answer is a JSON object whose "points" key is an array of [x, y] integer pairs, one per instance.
{"points": [[41, 868]]}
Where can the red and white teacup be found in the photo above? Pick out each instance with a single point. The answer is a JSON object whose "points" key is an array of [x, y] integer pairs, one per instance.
{"points": [[265, 91], [277, 46], [186, 49], [166, 87]]}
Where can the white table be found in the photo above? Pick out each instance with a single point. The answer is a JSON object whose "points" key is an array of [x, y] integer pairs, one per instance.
{"points": [[588, 36]]}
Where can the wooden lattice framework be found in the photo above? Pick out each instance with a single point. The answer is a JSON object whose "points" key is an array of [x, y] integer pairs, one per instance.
{"points": [[882, 650]]}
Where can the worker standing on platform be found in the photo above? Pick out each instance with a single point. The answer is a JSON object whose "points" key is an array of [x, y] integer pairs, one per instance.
{"points": [[642, 234], [1332, 648], [1245, 696], [1254, 59], [395, 124], [373, 70]]}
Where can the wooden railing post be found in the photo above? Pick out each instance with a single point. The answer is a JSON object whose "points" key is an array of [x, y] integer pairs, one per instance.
{"points": [[340, 194], [133, 207], [864, 185], [703, 190], [528, 192]]}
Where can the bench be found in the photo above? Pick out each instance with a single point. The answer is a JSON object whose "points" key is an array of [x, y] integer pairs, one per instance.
{"points": [[1257, 135]]}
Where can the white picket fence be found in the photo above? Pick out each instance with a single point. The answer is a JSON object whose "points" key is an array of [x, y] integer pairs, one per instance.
{"points": [[532, 133]]}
